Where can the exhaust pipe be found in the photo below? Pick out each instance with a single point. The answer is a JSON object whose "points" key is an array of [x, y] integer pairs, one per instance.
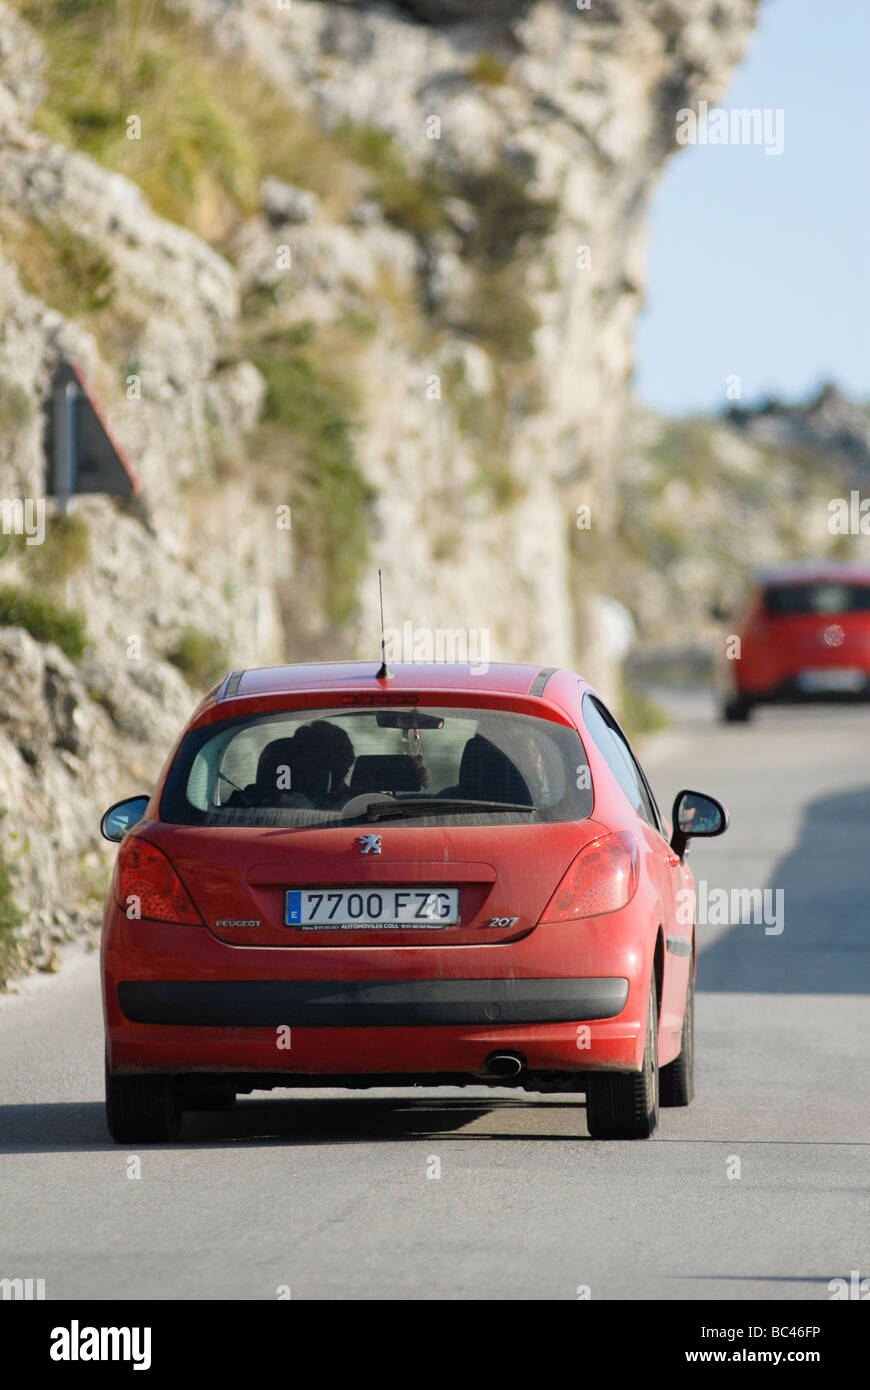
{"points": [[504, 1064]]}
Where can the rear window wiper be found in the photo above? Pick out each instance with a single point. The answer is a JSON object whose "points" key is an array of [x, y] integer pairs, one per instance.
{"points": [[383, 810]]}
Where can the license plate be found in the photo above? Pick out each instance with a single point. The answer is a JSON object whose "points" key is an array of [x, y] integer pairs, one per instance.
{"points": [[371, 909], [844, 678]]}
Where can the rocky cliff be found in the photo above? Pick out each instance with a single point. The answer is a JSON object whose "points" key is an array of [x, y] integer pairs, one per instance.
{"points": [[375, 264]]}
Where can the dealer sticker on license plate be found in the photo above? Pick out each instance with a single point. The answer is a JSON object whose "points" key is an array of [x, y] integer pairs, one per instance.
{"points": [[372, 909]]}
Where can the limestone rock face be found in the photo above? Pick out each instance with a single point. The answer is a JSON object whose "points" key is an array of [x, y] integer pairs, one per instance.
{"points": [[582, 105], [21, 61], [472, 525]]}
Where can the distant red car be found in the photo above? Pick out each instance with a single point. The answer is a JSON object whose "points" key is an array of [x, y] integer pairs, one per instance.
{"points": [[440, 878], [804, 635]]}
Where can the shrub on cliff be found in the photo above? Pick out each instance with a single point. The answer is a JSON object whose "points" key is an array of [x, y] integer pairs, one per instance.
{"points": [[44, 620]]}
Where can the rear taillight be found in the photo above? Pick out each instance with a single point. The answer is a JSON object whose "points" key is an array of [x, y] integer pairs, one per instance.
{"points": [[601, 879], [146, 885]]}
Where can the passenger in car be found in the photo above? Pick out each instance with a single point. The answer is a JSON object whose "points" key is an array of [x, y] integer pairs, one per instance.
{"points": [[308, 770]]}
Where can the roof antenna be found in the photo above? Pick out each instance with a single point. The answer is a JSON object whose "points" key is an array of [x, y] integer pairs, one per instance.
{"points": [[384, 674]]}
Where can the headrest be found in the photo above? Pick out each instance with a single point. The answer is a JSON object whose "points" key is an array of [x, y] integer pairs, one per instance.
{"points": [[487, 774], [384, 772]]}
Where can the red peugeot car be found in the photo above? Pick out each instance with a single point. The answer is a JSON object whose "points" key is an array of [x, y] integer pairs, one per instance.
{"points": [[804, 635], [438, 877]]}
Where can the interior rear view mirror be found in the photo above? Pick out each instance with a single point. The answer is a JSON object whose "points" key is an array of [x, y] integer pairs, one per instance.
{"points": [[407, 719]]}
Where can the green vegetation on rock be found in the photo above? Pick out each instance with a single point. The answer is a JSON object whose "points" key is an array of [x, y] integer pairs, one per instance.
{"points": [[65, 549], [16, 407], [200, 656], [306, 411], [62, 268], [509, 221], [414, 202], [488, 69], [211, 126], [45, 620]]}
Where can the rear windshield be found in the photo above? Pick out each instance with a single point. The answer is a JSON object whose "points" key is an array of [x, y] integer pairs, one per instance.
{"points": [[794, 600], [324, 767]]}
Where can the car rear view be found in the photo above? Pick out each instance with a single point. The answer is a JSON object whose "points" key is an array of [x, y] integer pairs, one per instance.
{"points": [[346, 884], [426, 879], [805, 636]]}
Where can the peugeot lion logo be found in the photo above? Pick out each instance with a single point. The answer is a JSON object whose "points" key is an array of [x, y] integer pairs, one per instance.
{"points": [[369, 844]]}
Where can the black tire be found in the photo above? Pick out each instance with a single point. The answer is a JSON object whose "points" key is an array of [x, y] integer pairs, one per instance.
{"points": [[142, 1109], [736, 710], [677, 1078], [622, 1105]]}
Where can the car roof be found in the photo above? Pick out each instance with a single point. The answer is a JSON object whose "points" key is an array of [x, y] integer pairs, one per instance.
{"points": [[553, 685], [501, 677], [810, 571]]}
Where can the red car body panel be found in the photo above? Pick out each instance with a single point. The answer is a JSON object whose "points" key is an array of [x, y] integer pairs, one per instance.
{"points": [[503, 871]]}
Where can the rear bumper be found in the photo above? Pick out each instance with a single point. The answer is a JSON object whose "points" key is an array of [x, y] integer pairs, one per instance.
{"points": [[790, 691], [570, 997], [368, 1003], [420, 1052]]}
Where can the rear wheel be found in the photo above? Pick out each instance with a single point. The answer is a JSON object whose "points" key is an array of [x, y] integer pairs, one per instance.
{"points": [[677, 1078], [736, 710], [142, 1109], [626, 1105]]}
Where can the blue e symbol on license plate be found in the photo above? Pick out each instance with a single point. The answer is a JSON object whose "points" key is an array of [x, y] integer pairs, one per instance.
{"points": [[294, 909]]}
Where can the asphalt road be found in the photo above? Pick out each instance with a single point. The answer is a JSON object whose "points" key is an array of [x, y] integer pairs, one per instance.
{"points": [[330, 1193]]}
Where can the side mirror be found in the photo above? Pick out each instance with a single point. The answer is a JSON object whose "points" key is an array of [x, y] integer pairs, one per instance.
{"points": [[123, 816], [696, 814]]}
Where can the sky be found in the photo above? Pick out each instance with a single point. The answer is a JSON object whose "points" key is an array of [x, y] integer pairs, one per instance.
{"points": [[757, 263]]}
